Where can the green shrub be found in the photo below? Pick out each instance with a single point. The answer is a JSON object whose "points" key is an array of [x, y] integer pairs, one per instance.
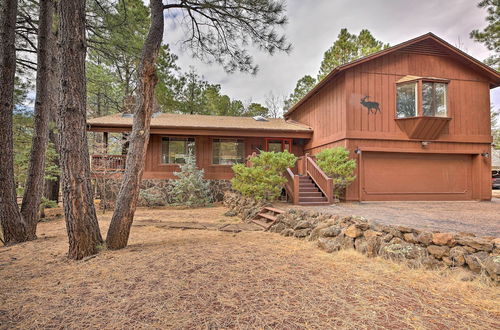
{"points": [[264, 179], [152, 197], [191, 189], [336, 164]]}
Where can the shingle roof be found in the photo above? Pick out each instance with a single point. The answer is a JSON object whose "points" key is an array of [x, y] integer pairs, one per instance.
{"points": [[184, 121]]}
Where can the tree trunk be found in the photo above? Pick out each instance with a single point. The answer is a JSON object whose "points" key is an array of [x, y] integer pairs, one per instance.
{"points": [[34, 187], [14, 228], [126, 202], [81, 221]]}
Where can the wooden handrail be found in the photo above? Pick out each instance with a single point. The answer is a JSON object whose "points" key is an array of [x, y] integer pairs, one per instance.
{"points": [[323, 181], [292, 185], [106, 162]]}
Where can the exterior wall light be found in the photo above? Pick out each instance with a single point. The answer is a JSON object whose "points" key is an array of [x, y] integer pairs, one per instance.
{"points": [[357, 151], [425, 143], [485, 154]]}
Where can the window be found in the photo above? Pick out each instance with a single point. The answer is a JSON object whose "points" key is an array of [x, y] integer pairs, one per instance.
{"points": [[227, 151], [434, 99], [406, 100], [174, 150], [431, 92]]}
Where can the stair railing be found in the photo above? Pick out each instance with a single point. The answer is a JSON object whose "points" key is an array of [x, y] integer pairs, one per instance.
{"points": [[292, 185], [323, 181]]}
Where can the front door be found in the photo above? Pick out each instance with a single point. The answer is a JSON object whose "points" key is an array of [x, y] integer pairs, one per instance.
{"points": [[278, 145]]}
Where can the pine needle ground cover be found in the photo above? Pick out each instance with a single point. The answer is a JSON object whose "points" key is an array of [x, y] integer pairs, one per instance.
{"points": [[189, 279]]}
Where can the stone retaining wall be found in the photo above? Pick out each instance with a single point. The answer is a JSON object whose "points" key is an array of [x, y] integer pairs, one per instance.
{"points": [[159, 187], [416, 247]]}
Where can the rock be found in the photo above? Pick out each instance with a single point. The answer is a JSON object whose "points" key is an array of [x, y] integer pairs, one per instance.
{"points": [[496, 245], [410, 237], [447, 261], [360, 245], [372, 246], [301, 233], [492, 267], [387, 238], [397, 240], [328, 244], [457, 255], [277, 227], [372, 233], [477, 243], [443, 239], [475, 261], [353, 231], [438, 251], [425, 237], [331, 231], [394, 232], [402, 251], [287, 232], [304, 224], [430, 262], [231, 213], [404, 229]]}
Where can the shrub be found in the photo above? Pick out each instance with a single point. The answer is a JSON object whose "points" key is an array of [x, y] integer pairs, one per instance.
{"points": [[336, 164], [152, 197], [190, 189], [264, 179]]}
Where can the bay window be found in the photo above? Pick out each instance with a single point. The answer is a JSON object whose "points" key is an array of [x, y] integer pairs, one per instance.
{"points": [[228, 151], [422, 98]]}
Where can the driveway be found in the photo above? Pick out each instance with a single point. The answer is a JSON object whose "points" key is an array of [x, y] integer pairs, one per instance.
{"points": [[480, 218]]}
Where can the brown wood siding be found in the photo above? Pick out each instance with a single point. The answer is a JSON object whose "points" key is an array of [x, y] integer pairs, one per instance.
{"points": [[203, 145]]}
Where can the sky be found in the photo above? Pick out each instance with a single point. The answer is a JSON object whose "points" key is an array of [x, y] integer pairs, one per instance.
{"points": [[314, 25]]}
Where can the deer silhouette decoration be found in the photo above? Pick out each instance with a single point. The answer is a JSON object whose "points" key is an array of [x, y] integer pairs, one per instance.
{"points": [[373, 107]]}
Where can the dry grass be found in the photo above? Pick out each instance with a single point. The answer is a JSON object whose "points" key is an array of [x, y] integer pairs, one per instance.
{"points": [[208, 279]]}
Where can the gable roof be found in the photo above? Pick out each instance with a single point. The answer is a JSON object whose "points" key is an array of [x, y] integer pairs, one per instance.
{"points": [[418, 44], [202, 122]]}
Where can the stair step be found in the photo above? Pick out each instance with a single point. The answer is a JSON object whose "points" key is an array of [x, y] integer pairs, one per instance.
{"points": [[313, 199], [267, 216], [263, 224], [301, 190], [314, 203], [307, 185], [310, 194], [272, 209]]}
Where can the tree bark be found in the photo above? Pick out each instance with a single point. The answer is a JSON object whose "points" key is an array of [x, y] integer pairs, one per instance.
{"points": [[126, 202], [13, 225], [34, 187], [81, 221]]}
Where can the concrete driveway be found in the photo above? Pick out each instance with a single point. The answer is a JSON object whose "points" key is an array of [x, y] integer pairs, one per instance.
{"points": [[480, 218]]}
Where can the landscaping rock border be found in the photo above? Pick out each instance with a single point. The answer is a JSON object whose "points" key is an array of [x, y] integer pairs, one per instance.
{"points": [[418, 248]]}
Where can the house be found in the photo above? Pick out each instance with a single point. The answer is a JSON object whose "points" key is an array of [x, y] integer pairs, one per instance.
{"points": [[415, 116]]}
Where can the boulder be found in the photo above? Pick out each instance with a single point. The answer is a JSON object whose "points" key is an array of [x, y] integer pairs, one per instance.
{"points": [[372, 233], [304, 224], [387, 238], [301, 233], [477, 243], [402, 251], [425, 237], [331, 231], [372, 246], [438, 251], [492, 267], [410, 237], [443, 239], [496, 245], [476, 260], [360, 245], [353, 231], [328, 244], [430, 262], [278, 227], [287, 232], [404, 229], [457, 255]]}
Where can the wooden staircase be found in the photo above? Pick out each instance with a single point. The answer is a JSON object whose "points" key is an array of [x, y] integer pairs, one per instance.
{"points": [[309, 192], [267, 217]]}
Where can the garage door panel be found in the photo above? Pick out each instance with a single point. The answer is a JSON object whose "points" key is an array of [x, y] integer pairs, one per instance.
{"points": [[406, 176]]}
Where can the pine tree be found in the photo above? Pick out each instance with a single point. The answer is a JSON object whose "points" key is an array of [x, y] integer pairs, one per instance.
{"points": [[191, 189]]}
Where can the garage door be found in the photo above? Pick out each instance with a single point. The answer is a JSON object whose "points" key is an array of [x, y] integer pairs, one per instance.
{"points": [[412, 176]]}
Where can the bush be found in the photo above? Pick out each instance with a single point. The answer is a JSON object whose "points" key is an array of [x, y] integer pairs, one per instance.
{"points": [[264, 179], [336, 164], [191, 189], [152, 197]]}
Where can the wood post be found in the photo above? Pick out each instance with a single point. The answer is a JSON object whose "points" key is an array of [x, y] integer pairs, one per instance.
{"points": [[296, 187], [105, 140]]}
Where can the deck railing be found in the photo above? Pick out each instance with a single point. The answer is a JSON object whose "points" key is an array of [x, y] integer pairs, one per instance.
{"points": [[323, 181], [108, 163]]}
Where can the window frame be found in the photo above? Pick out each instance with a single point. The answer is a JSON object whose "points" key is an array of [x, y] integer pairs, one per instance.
{"points": [[419, 97], [175, 137], [212, 140]]}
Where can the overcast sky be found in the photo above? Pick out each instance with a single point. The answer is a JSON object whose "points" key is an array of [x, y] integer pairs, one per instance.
{"points": [[314, 25]]}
